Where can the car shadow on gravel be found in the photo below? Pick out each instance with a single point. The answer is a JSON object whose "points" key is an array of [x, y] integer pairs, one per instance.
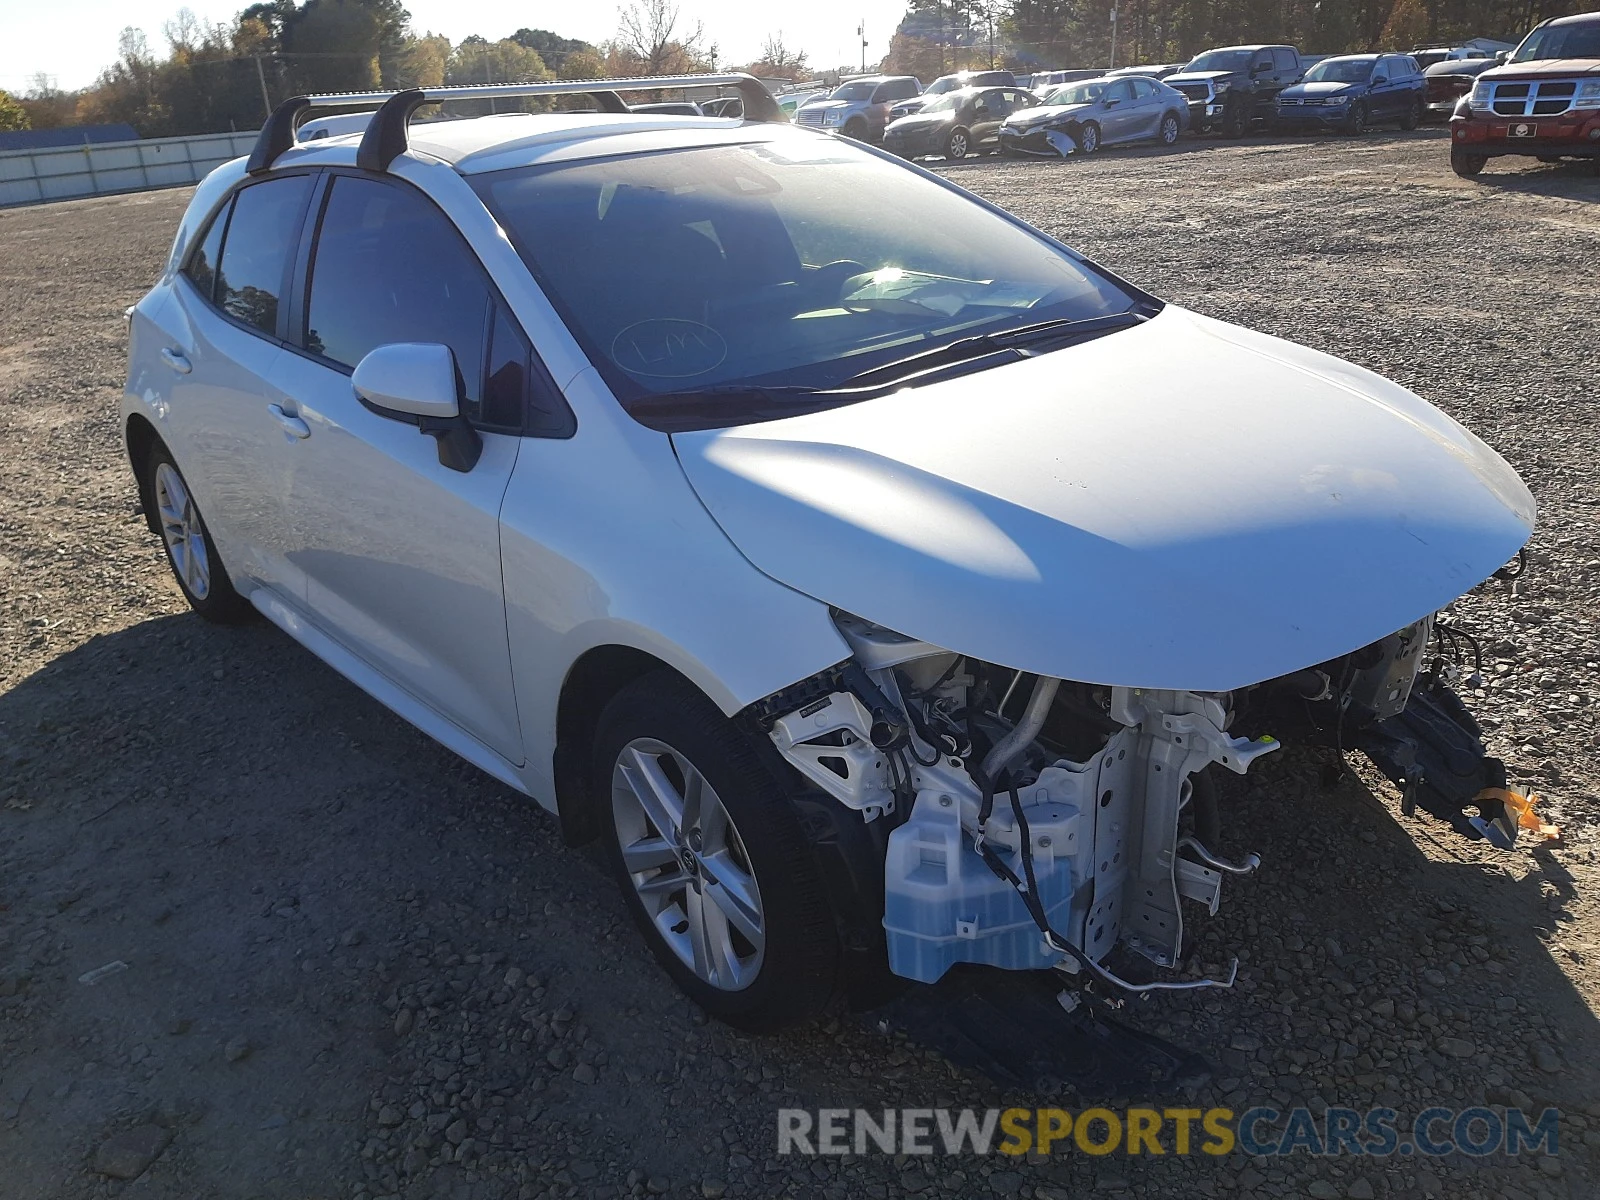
{"points": [[1568, 180], [350, 960]]}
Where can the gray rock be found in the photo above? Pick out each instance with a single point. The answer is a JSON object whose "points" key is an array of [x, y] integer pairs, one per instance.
{"points": [[1546, 1058], [128, 1154], [237, 1048], [403, 1020], [456, 1132], [713, 1189], [1457, 1047], [1359, 1189], [583, 1073], [1321, 1189]]}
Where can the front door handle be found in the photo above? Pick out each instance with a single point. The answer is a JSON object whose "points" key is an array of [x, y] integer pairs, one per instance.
{"points": [[176, 361], [292, 425]]}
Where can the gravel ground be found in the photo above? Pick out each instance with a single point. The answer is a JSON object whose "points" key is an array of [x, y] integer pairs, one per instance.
{"points": [[355, 967]]}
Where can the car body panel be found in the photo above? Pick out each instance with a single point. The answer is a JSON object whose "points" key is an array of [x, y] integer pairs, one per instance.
{"points": [[1289, 508], [604, 543], [981, 113], [1540, 106]]}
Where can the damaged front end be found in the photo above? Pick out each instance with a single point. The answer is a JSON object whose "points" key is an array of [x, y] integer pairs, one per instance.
{"points": [[1027, 822]]}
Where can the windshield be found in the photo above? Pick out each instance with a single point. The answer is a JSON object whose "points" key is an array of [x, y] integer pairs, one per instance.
{"points": [[947, 83], [1221, 60], [859, 90], [1075, 93], [769, 264], [944, 102], [1578, 40], [1341, 70]]}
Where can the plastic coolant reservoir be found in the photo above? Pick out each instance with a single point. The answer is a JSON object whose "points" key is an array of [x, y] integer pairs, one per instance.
{"points": [[943, 905]]}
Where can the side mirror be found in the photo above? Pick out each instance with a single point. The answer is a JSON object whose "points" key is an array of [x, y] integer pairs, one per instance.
{"points": [[1111, 101], [1379, 80], [416, 382], [1500, 56]]}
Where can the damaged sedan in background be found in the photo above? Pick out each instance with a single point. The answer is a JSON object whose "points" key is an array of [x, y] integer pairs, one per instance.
{"points": [[1079, 118], [882, 596]]}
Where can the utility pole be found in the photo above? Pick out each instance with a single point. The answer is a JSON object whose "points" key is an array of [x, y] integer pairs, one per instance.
{"points": [[861, 32], [1113, 65], [261, 74]]}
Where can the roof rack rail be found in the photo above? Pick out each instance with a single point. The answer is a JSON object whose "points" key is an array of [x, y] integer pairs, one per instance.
{"points": [[387, 137]]}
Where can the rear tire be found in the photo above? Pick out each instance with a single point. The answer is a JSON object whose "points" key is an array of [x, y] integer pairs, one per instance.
{"points": [[1468, 165], [1171, 129], [191, 553], [728, 897]]}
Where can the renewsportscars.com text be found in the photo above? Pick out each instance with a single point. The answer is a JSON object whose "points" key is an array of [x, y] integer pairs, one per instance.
{"points": [[1376, 1132]]}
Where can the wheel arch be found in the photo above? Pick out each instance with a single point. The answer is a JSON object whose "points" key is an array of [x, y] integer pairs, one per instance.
{"points": [[597, 675], [140, 438]]}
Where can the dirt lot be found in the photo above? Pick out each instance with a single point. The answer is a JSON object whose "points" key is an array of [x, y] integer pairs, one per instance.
{"points": [[356, 967]]}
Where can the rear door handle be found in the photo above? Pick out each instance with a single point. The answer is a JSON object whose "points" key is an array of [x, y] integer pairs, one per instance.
{"points": [[176, 361], [292, 425]]}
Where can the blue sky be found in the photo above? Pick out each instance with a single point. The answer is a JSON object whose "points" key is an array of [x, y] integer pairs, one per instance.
{"points": [[72, 40]]}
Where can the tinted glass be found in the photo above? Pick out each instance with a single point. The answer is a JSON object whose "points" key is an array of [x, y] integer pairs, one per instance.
{"points": [[770, 263], [1285, 59], [506, 383], [1578, 39], [1121, 91], [258, 247], [1143, 88], [390, 268], [1220, 60], [202, 268], [1341, 70]]}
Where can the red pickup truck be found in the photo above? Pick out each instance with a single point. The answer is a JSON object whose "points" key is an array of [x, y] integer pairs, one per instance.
{"points": [[1544, 101]]}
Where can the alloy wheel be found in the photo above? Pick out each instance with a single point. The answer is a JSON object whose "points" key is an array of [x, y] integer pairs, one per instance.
{"points": [[958, 145], [688, 864], [1089, 138], [1169, 130], [182, 531]]}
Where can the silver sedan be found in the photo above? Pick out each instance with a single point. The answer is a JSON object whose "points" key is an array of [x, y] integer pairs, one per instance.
{"points": [[1079, 118]]}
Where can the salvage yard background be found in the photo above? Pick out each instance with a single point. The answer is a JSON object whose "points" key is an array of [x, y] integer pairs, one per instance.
{"points": [[355, 967]]}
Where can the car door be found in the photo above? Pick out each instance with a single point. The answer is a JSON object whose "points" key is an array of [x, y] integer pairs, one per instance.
{"points": [[223, 328], [1147, 103], [989, 111], [1119, 119], [401, 553]]}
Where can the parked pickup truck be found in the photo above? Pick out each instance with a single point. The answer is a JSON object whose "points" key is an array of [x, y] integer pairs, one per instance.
{"points": [[1544, 102], [1230, 88]]}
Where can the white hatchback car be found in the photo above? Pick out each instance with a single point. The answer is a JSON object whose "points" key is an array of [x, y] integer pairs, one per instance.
{"points": [[879, 591]]}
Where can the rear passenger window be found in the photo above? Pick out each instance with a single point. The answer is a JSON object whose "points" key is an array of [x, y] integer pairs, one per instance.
{"points": [[388, 267], [202, 268], [1286, 61], [257, 248]]}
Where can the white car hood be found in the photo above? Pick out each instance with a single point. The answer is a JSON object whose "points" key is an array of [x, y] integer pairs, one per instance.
{"points": [[1185, 504]]}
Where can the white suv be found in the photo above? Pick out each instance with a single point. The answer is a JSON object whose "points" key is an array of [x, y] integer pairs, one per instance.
{"points": [[879, 591]]}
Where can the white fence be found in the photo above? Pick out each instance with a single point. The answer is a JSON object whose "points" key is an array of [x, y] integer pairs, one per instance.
{"points": [[65, 172]]}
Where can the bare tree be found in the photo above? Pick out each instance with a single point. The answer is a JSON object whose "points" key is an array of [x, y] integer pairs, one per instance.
{"points": [[647, 33]]}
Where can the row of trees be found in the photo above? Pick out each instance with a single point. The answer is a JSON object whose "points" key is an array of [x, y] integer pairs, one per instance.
{"points": [[938, 36], [217, 76]]}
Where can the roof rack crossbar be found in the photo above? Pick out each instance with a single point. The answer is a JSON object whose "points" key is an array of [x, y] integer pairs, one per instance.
{"points": [[387, 134]]}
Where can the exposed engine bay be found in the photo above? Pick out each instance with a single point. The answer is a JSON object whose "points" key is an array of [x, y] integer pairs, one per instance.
{"points": [[1035, 822]]}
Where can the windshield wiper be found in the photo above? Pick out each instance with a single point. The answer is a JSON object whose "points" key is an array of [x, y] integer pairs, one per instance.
{"points": [[1014, 339], [692, 407]]}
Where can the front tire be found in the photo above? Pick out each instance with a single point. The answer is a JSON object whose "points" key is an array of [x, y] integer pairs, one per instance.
{"points": [[1413, 116], [1356, 123], [1233, 121], [957, 144], [856, 129], [1171, 128], [191, 553], [1088, 138], [711, 858], [1468, 165]]}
